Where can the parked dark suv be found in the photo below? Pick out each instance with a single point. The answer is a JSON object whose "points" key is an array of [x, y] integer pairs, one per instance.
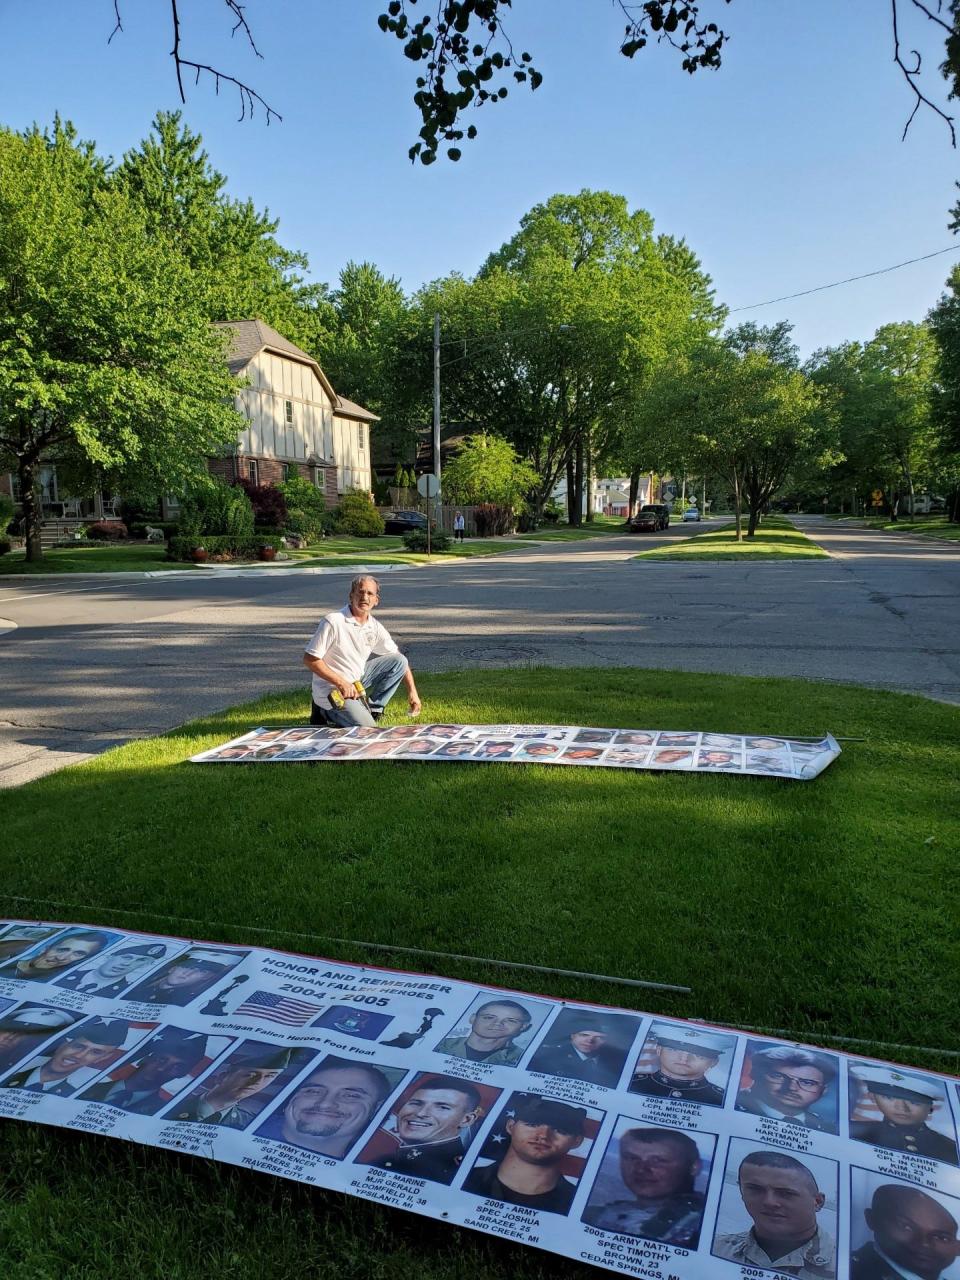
{"points": [[662, 511], [644, 522]]}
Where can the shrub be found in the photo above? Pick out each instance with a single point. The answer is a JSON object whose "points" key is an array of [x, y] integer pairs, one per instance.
{"points": [[416, 540], [306, 507], [107, 531], [268, 502], [552, 512], [217, 509], [5, 545], [358, 515], [491, 518], [226, 545]]}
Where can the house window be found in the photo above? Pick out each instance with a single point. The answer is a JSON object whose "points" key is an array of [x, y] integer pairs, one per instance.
{"points": [[360, 437], [288, 410], [290, 471], [253, 471], [15, 487]]}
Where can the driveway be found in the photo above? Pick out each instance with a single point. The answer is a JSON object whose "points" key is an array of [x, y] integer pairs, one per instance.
{"points": [[95, 663]]}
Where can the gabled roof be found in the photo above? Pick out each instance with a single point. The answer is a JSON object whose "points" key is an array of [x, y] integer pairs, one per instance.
{"points": [[249, 337], [347, 409]]}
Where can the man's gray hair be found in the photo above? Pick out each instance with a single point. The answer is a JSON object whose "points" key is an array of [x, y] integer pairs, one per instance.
{"points": [[356, 584]]}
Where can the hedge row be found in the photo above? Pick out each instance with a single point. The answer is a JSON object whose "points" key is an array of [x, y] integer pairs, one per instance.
{"points": [[247, 547]]}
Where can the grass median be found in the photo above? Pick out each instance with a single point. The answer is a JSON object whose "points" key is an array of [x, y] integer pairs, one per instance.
{"points": [[821, 908], [775, 539]]}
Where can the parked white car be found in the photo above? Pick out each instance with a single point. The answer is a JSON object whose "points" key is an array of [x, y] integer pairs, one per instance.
{"points": [[691, 513]]}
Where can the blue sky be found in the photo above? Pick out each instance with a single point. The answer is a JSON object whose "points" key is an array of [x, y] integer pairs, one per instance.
{"points": [[784, 170]]}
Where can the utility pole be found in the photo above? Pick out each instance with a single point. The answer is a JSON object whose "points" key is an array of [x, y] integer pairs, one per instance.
{"points": [[436, 395]]}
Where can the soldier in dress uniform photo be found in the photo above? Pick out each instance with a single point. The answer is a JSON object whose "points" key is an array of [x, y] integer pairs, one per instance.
{"points": [[183, 979], [684, 1056], [117, 971], [73, 1060], [142, 1084], [656, 1192], [430, 1129], [28, 1025], [913, 1237], [783, 1200], [538, 1135], [905, 1102], [791, 1084], [584, 1044]]}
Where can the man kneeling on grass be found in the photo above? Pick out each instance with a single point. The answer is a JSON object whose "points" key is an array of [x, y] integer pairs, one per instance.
{"points": [[348, 646]]}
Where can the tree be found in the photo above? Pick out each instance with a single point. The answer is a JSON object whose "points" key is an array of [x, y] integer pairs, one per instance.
{"points": [[465, 58], [560, 329], [944, 323], [107, 362], [487, 469], [743, 416], [239, 268]]}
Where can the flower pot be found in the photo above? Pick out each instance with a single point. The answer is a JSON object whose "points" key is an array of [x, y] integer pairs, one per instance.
{"points": [[199, 555], [266, 553]]}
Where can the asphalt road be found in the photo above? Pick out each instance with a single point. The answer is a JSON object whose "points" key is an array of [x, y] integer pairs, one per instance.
{"points": [[93, 663]]}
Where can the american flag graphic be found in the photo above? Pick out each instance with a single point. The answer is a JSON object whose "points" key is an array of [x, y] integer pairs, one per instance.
{"points": [[292, 1013]]}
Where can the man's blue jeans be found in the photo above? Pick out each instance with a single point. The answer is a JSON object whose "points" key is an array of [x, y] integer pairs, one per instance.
{"points": [[382, 678]]}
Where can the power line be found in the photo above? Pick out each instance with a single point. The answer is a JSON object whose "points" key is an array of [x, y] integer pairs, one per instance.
{"points": [[954, 248]]}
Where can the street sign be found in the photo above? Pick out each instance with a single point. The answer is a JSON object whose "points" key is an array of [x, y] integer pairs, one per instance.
{"points": [[428, 486]]}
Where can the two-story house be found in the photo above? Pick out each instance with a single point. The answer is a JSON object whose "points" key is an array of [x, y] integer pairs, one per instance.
{"points": [[296, 424]]}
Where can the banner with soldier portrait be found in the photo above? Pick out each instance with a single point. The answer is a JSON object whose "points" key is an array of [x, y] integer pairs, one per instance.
{"points": [[659, 749], [649, 1146]]}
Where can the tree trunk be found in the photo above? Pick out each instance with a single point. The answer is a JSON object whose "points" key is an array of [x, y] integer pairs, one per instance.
{"points": [[634, 490], [753, 520], [578, 483], [738, 504], [589, 482], [32, 511], [570, 488]]}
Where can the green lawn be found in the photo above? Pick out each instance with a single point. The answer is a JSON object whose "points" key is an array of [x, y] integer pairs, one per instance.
{"points": [[929, 526], [823, 908], [776, 539], [599, 527], [105, 558], [110, 558]]}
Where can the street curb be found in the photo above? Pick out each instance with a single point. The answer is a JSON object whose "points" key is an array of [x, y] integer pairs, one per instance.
{"points": [[6, 625]]}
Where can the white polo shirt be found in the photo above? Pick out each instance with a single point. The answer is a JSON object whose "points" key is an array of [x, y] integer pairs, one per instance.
{"points": [[345, 644]]}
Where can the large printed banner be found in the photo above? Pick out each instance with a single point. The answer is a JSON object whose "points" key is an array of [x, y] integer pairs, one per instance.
{"points": [[650, 1146], [537, 744]]}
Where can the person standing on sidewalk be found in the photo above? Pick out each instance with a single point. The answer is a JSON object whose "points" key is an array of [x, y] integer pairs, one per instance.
{"points": [[459, 525], [350, 645]]}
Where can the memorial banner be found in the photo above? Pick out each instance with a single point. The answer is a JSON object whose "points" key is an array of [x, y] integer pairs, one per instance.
{"points": [[692, 752], [650, 1146]]}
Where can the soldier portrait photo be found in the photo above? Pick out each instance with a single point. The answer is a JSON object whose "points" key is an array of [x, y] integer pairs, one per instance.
{"points": [[53, 957], [247, 1080], [157, 1071], [588, 1045], [327, 1112], [535, 1153], [897, 1230], [24, 1027], [430, 1127], [495, 1029], [785, 1082], [652, 1183], [684, 1062], [902, 1111], [77, 1057], [112, 974], [183, 979], [778, 1212]]}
